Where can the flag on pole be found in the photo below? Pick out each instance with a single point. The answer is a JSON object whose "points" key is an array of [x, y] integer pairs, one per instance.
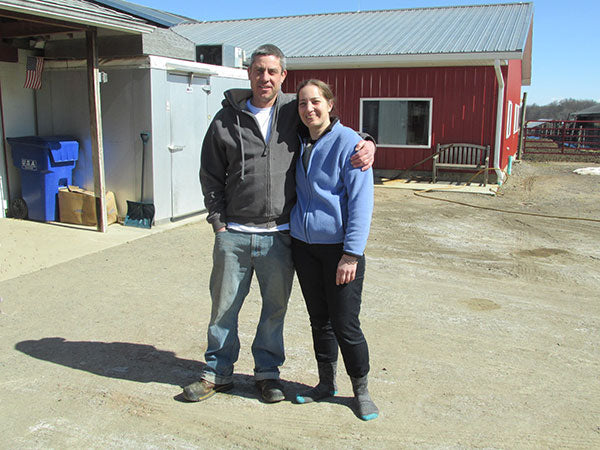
{"points": [[33, 72]]}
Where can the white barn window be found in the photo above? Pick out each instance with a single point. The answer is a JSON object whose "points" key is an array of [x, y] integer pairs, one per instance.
{"points": [[517, 121], [397, 122], [509, 117]]}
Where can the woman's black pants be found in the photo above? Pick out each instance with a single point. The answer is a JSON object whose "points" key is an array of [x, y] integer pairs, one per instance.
{"points": [[333, 309]]}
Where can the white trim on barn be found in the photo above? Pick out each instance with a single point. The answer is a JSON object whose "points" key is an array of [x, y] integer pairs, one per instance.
{"points": [[430, 60]]}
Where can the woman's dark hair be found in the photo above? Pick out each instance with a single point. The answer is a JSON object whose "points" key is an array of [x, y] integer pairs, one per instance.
{"points": [[325, 89]]}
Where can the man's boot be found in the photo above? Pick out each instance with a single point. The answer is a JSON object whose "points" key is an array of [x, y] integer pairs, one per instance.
{"points": [[365, 408], [325, 388], [203, 389]]}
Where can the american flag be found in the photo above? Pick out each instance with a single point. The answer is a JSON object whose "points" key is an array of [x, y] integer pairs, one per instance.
{"points": [[33, 72]]}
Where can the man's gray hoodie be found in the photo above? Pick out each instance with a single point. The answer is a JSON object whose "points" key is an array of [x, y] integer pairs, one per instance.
{"points": [[245, 179]]}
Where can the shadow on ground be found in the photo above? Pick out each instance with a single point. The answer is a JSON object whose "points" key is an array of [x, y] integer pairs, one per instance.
{"points": [[125, 360], [141, 363]]}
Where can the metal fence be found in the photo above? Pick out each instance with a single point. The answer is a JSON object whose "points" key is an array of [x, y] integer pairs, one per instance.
{"points": [[562, 137]]}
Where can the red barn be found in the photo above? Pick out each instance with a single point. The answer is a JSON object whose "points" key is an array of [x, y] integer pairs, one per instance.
{"points": [[412, 78]]}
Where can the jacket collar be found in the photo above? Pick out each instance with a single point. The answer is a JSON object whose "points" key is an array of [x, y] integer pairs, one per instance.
{"points": [[305, 134], [237, 99]]}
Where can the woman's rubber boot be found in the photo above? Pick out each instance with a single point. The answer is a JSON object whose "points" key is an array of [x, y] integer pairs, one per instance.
{"points": [[326, 387], [365, 408]]}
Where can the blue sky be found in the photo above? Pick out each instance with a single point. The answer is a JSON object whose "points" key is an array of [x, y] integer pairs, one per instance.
{"points": [[566, 58]]}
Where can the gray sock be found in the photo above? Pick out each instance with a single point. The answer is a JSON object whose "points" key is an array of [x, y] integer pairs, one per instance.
{"points": [[365, 407], [319, 392], [325, 388]]}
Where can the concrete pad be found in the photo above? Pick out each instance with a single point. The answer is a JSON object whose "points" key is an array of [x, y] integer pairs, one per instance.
{"points": [[27, 246], [440, 186]]}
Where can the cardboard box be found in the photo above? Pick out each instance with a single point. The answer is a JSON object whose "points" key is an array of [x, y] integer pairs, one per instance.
{"points": [[78, 206]]}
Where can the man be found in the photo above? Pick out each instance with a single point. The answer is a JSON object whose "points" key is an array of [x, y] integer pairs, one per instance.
{"points": [[247, 176]]}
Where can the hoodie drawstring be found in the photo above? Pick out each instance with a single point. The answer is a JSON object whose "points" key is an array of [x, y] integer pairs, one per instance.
{"points": [[237, 116]]}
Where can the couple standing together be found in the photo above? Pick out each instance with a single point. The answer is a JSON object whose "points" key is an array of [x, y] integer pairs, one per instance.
{"points": [[284, 194]]}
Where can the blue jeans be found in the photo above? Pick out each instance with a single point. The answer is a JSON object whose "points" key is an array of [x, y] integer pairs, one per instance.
{"points": [[236, 256]]}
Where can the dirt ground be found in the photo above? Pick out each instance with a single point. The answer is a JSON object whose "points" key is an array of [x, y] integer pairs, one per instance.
{"points": [[483, 327]]}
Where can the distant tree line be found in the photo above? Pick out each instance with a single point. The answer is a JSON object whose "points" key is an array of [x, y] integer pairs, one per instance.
{"points": [[557, 110]]}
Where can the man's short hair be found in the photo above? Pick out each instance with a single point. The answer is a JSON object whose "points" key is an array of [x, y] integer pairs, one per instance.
{"points": [[269, 50]]}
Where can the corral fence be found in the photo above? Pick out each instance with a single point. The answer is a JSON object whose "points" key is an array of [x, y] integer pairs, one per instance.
{"points": [[562, 137]]}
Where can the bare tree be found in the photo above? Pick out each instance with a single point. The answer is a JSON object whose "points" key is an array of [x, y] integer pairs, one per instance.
{"points": [[557, 110]]}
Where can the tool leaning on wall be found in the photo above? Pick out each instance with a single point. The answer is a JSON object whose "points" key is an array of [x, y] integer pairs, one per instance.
{"points": [[140, 214]]}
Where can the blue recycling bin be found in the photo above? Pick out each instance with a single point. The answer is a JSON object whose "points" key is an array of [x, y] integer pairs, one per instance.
{"points": [[46, 164]]}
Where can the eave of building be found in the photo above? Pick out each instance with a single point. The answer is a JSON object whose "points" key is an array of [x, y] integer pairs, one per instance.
{"points": [[151, 62], [379, 61], [428, 60], [76, 16]]}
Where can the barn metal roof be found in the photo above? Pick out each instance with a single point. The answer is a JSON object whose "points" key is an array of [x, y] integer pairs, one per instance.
{"points": [[79, 11], [479, 29], [159, 17], [591, 110]]}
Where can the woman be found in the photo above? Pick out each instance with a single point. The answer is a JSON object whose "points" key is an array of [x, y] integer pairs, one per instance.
{"points": [[329, 226]]}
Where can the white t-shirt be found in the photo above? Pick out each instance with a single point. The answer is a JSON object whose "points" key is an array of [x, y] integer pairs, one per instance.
{"points": [[263, 116]]}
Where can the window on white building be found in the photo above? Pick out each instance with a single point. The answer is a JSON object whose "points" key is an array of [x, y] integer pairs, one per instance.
{"points": [[397, 122]]}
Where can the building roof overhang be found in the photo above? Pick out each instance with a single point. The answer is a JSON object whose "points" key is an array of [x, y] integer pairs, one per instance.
{"points": [[380, 61], [66, 15]]}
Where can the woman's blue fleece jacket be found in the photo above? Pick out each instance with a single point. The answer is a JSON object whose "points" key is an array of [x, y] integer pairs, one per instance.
{"points": [[334, 200]]}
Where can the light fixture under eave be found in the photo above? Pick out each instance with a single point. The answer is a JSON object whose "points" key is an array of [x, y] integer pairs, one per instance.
{"points": [[38, 42]]}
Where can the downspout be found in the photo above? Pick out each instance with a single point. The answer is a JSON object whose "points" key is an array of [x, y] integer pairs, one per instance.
{"points": [[499, 112]]}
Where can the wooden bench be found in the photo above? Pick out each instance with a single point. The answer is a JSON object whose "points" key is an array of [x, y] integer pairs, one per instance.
{"points": [[463, 157]]}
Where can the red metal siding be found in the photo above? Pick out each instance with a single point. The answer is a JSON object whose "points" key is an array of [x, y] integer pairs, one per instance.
{"points": [[512, 101], [464, 103]]}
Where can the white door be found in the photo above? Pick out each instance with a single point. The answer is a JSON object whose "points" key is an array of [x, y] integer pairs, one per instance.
{"points": [[188, 124], [3, 182]]}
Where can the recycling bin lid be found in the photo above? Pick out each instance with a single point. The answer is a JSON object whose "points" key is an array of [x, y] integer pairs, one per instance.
{"points": [[62, 148]]}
